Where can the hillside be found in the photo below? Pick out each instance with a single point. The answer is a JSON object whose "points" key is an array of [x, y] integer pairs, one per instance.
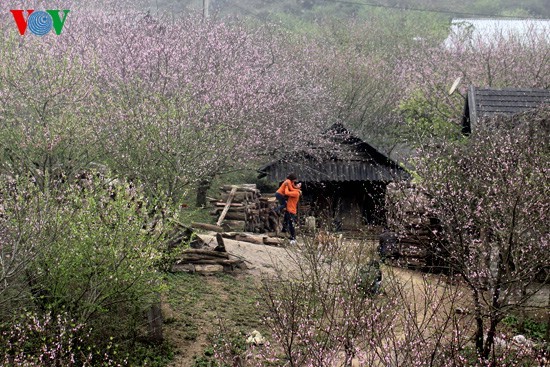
{"points": [[363, 8]]}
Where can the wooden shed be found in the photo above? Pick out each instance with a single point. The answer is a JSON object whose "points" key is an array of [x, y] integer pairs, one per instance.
{"points": [[486, 102], [343, 188]]}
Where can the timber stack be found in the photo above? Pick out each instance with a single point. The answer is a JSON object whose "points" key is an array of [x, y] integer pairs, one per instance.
{"points": [[206, 260], [417, 228], [243, 208]]}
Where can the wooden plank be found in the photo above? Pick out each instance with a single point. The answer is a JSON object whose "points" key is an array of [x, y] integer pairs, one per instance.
{"points": [[230, 235], [233, 205], [201, 252], [221, 244], [208, 227], [241, 188], [231, 210], [244, 237], [240, 197], [229, 199], [250, 239], [273, 241]]}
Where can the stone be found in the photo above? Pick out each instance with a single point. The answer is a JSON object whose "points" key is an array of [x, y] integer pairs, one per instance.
{"points": [[310, 223], [521, 340], [500, 343], [208, 269], [255, 338], [188, 268]]}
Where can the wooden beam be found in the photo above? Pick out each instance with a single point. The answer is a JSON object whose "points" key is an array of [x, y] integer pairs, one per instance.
{"points": [[201, 252], [227, 205], [208, 227]]}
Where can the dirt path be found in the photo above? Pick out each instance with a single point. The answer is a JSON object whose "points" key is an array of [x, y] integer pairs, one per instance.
{"points": [[192, 324], [261, 261], [191, 337], [217, 298]]}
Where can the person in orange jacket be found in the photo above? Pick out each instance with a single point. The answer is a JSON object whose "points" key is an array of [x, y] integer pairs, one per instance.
{"points": [[291, 210], [289, 184]]}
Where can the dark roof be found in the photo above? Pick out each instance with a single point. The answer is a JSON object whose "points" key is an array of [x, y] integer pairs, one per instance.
{"points": [[350, 159], [484, 103]]}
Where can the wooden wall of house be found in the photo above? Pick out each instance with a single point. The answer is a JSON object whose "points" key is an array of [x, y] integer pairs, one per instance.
{"points": [[346, 205]]}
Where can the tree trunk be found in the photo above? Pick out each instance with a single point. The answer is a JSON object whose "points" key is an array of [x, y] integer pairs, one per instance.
{"points": [[490, 339], [547, 336], [202, 190], [155, 322], [479, 323], [522, 316], [209, 227]]}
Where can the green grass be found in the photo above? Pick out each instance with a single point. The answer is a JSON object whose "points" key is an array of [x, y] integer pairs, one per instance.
{"points": [[186, 293], [531, 328], [221, 306]]}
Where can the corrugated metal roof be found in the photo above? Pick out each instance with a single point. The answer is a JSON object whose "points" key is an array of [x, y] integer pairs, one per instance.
{"points": [[486, 102], [508, 101], [335, 171], [351, 160]]}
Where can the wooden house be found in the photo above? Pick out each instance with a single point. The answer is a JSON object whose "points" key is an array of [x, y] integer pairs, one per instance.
{"points": [[344, 188], [484, 103]]}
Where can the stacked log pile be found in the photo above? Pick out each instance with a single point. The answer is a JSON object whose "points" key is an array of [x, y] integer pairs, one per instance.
{"points": [[416, 227], [240, 211], [207, 260], [243, 208], [251, 238]]}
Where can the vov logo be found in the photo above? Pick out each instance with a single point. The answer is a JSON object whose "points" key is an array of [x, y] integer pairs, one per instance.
{"points": [[40, 22]]}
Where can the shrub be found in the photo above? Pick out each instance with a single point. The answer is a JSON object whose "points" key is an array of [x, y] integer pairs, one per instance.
{"points": [[45, 340], [86, 251]]}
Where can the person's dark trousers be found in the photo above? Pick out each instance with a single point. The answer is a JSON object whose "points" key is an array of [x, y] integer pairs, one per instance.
{"points": [[289, 222], [282, 202]]}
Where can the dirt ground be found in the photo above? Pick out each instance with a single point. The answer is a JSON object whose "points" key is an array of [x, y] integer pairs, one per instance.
{"points": [[259, 259], [262, 260]]}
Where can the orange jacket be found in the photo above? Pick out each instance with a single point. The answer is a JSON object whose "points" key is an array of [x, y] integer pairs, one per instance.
{"points": [[292, 202], [286, 184]]}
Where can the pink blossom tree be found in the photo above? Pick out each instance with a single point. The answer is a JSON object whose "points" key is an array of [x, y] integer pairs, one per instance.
{"points": [[317, 313], [45, 94], [193, 98], [427, 73], [489, 195], [169, 101]]}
